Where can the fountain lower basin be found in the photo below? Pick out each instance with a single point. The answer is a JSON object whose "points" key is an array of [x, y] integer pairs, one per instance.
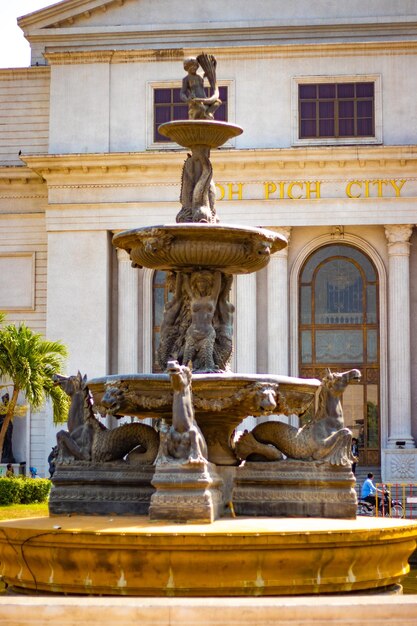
{"points": [[231, 557]]}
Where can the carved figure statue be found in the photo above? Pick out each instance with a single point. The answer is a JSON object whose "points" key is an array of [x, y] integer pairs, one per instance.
{"points": [[323, 438], [200, 106], [183, 440], [87, 439], [171, 337], [203, 289], [198, 191], [223, 325], [198, 321]]}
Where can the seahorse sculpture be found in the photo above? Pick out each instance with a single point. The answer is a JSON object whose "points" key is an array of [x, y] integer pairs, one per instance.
{"points": [[87, 439], [183, 440], [323, 438]]}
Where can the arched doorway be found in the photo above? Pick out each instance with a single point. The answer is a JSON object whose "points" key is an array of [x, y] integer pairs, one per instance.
{"points": [[339, 329]]}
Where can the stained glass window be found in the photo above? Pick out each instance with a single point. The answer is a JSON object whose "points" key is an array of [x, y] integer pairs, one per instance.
{"points": [[338, 319]]}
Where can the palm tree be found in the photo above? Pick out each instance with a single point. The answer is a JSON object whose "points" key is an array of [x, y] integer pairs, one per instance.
{"points": [[29, 362]]}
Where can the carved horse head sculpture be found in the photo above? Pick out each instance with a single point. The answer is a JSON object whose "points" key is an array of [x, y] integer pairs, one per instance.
{"points": [[76, 388], [333, 386]]}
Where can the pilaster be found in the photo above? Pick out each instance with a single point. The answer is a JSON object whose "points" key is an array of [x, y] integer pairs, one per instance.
{"points": [[278, 331], [128, 311], [399, 425], [246, 331]]}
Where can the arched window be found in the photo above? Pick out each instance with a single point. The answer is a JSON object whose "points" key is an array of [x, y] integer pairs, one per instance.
{"points": [[338, 329]]}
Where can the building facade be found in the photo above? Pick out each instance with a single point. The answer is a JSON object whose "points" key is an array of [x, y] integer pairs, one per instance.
{"points": [[325, 94]]}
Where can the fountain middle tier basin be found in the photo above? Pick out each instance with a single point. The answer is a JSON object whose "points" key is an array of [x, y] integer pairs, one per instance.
{"points": [[234, 395], [221, 401], [188, 246]]}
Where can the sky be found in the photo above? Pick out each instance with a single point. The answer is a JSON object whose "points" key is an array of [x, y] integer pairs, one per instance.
{"points": [[14, 49]]}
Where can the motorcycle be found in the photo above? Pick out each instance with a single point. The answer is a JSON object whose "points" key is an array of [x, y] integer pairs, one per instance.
{"points": [[384, 508]]}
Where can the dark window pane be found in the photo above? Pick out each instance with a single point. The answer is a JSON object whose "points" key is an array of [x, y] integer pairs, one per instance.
{"points": [[176, 95], [307, 91], [159, 278], [372, 346], [305, 305], [371, 310], [162, 96], [306, 351], [162, 114], [221, 113], [338, 293], [326, 110], [327, 91], [346, 90], [180, 112], [308, 110], [365, 128], [346, 128], [365, 108], [308, 128], [372, 416], [223, 94], [339, 346], [158, 137], [326, 128], [346, 108], [364, 90]]}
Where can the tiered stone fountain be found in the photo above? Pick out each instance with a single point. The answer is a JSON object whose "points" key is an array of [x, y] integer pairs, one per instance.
{"points": [[144, 511]]}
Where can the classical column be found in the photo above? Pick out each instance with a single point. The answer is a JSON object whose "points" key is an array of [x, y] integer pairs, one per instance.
{"points": [[128, 312], [278, 330], [399, 335], [127, 325], [245, 331]]}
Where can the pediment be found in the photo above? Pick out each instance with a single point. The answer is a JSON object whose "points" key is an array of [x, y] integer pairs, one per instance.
{"points": [[73, 26], [160, 14]]}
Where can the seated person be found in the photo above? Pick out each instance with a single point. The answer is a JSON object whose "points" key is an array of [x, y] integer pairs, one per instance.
{"points": [[9, 470], [369, 490]]}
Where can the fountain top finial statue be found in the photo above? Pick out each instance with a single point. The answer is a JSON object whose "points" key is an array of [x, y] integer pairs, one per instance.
{"points": [[200, 106]]}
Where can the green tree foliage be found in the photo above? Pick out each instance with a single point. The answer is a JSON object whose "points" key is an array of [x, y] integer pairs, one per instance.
{"points": [[29, 362]]}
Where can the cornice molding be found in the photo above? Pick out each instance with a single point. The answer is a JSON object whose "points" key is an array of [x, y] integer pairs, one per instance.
{"points": [[228, 52], [24, 73], [344, 160], [19, 175], [164, 167]]}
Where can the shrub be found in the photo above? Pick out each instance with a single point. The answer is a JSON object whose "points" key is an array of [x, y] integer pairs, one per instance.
{"points": [[23, 490], [34, 489], [9, 491]]}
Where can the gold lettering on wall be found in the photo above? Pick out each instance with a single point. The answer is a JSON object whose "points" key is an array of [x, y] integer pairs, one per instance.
{"points": [[314, 189]]}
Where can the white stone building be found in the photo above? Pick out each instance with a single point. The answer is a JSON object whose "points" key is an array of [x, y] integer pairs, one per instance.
{"points": [[325, 93]]}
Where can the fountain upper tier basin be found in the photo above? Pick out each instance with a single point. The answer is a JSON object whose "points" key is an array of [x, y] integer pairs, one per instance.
{"points": [[185, 247], [189, 133]]}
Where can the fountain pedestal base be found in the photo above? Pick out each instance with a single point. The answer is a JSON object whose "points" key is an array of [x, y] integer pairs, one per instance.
{"points": [[186, 492], [295, 489], [83, 488]]}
